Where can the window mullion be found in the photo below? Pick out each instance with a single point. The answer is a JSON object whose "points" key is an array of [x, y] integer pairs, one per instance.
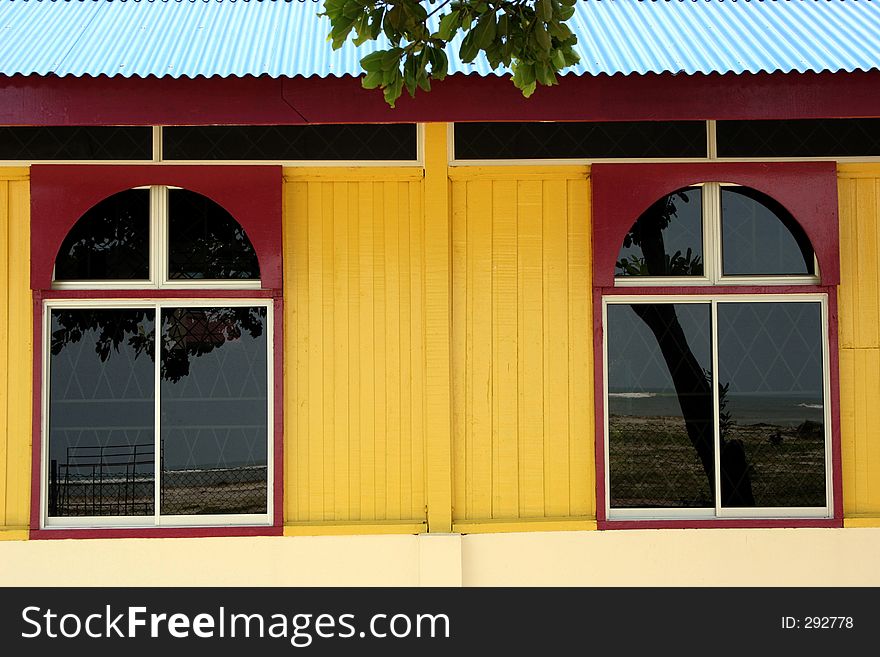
{"points": [[712, 231], [716, 405], [161, 246], [156, 233], [157, 416]]}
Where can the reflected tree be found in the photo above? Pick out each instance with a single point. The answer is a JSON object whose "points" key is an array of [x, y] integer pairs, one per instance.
{"points": [[692, 383], [188, 332]]}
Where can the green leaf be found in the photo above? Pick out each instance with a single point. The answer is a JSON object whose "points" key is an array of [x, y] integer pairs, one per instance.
{"points": [[373, 61], [545, 10], [449, 25], [484, 32]]}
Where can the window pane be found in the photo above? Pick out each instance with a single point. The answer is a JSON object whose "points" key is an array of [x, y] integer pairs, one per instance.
{"points": [[214, 411], [760, 237], [667, 240], [109, 242], [772, 404], [76, 143], [630, 139], [297, 142], [799, 138], [101, 413], [205, 241], [660, 406]]}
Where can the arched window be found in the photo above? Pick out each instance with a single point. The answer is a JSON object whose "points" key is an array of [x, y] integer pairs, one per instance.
{"points": [[156, 237], [158, 368], [715, 233], [716, 361]]}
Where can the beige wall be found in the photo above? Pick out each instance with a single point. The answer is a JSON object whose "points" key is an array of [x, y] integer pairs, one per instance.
{"points": [[722, 557]]}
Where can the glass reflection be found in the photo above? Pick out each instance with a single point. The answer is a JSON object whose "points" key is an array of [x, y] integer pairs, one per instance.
{"points": [[667, 240], [771, 371], [660, 406], [205, 241], [214, 417], [101, 413], [109, 242], [760, 237]]}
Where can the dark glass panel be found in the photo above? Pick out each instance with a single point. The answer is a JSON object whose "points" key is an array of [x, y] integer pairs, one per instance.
{"points": [[667, 240], [772, 404], [299, 142], [101, 413], [660, 406], [624, 139], [214, 417], [759, 237], [76, 143], [109, 242], [205, 241], [799, 138]]}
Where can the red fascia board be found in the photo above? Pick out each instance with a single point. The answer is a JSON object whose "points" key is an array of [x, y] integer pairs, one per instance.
{"points": [[61, 194], [53, 100], [621, 192]]}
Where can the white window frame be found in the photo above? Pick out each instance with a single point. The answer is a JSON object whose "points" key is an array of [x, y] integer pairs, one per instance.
{"points": [[713, 274], [159, 250], [157, 519], [719, 513]]}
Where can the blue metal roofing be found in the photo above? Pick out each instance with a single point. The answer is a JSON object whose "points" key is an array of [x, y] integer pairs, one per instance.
{"points": [[189, 38]]}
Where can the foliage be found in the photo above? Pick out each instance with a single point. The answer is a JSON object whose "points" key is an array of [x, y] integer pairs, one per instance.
{"points": [[530, 37], [676, 265]]}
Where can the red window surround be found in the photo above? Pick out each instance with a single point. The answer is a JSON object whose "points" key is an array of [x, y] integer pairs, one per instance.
{"points": [[621, 192], [61, 194]]}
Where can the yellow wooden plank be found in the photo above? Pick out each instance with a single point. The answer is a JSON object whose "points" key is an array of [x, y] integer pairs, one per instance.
{"points": [[9, 534], [848, 296], [480, 337], [315, 433], [868, 276], [20, 358], [354, 349], [366, 353], [460, 323], [530, 348], [491, 526], [556, 473], [863, 521], [380, 243], [341, 391], [871, 454], [354, 529], [859, 170], [328, 382], [405, 351], [392, 352], [438, 450], [14, 173], [417, 331], [5, 345], [297, 265], [505, 384], [519, 172], [848, 430], [580, 362], [352, 174]]}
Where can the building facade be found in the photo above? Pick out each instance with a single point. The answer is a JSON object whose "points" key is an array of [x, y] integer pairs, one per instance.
{"points": [[624, 332]]}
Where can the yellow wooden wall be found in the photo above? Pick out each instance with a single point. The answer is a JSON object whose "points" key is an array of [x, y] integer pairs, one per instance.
{"points": [[16, 360], [859, 325], [354, 334], [522, 367]]}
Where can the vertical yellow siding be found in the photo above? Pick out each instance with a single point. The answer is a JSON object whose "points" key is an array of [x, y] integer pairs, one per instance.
{"points": [[859, 325], [355, 381], [16, 359], [522, 345]]}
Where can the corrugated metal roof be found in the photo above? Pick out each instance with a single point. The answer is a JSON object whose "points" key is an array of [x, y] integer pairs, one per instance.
{"points": [[188, 38]]}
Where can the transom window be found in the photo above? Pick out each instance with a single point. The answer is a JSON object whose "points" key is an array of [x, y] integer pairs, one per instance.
{"points": [[717, 389], [157, 410], [159, 236], [716, 233]]}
